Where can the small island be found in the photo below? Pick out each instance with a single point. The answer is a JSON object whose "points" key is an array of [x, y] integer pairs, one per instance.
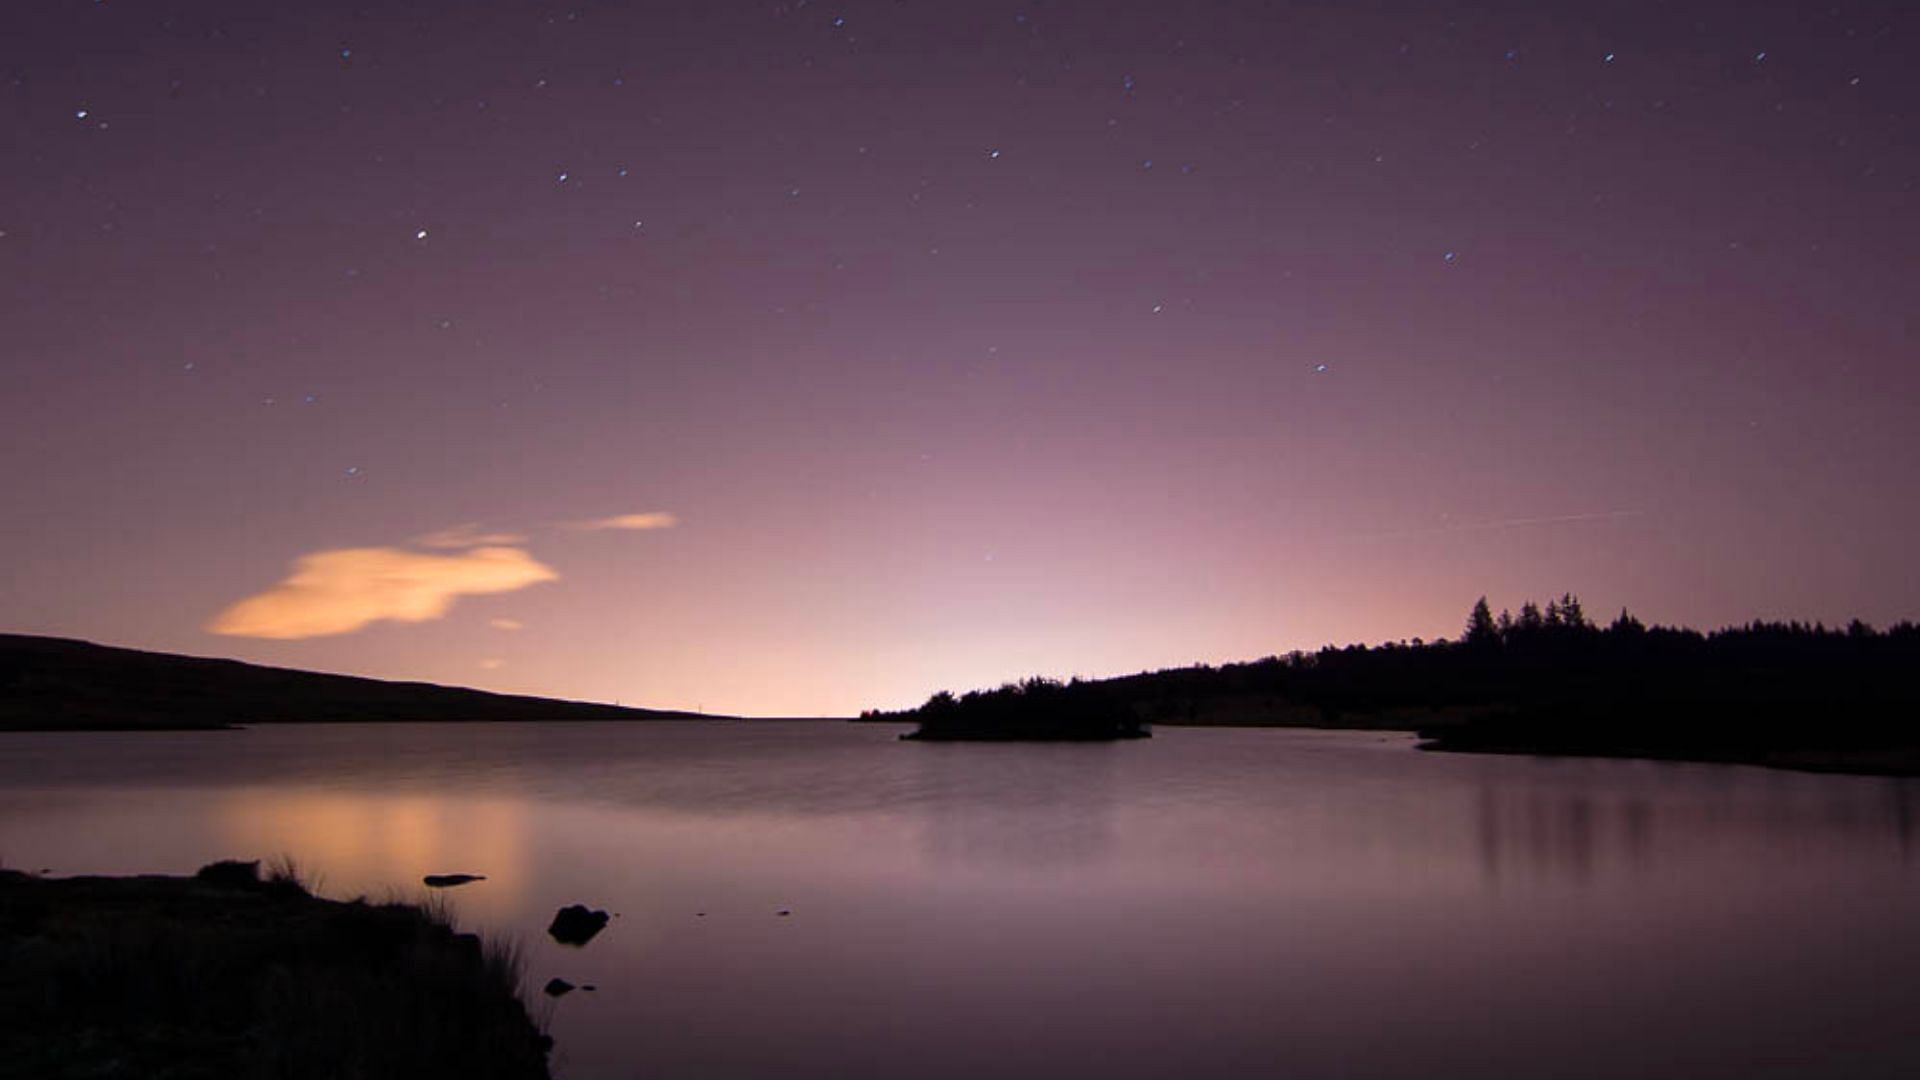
{"points": [[1036, 710], [229, 973]]}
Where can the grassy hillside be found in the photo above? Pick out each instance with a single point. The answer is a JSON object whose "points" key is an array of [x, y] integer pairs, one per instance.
{"points": [[59, 684]]}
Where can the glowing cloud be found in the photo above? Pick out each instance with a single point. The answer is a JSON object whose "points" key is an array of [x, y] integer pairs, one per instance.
{"points": [[468, 536], [340, 591], [506, 624], [653, 519]]}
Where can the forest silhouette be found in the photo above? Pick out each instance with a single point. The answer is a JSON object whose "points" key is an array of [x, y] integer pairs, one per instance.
{"points": [[1545, 680]]}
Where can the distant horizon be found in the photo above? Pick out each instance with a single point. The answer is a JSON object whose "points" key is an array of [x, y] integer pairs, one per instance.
{"points": [[1599, 616]]}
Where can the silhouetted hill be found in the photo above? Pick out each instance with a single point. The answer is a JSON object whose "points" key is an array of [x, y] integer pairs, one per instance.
{"points": [[59, 684], [1551, 682]]}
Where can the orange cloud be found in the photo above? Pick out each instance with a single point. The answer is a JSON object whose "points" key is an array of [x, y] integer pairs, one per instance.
{"points": [[652, 519], [467, 536], [506, 624], [340, 591]]}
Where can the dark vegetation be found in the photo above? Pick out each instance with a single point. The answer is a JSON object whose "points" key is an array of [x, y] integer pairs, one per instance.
{"points": [[1037, 710], [231, 975], [1550, 680], [58, 684]]}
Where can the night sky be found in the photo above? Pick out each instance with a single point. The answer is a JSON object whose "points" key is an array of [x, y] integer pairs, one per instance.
{"points": [[795, 358]]}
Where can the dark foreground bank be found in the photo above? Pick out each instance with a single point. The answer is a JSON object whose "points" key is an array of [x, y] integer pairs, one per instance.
{"points": [[228, 974]]}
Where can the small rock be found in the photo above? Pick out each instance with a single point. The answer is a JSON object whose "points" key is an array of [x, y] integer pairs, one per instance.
{"points": [[589, 987], [558, 986], [448, 881], [576, 924], [786, 911]]}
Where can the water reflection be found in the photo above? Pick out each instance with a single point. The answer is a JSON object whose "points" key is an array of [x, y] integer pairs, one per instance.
{"points": [[1218, 903], [1628, 824], [1038, 806], [380, 840]]}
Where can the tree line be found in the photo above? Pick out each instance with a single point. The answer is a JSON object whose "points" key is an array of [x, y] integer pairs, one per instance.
{"points": [[1546, 677]]}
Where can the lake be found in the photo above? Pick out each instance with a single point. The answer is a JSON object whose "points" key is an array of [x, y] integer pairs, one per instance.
{"points": [[1210, 902]]}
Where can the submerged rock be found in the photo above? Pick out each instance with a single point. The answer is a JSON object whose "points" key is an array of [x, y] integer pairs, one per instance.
{"points": [[448, 881], [576, 924]]}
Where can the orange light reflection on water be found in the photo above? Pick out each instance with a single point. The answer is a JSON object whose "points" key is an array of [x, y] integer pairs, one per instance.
{"points": [[369, 843]]}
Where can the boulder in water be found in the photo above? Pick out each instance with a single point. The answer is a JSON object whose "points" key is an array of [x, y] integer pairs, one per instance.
{"points": [[576, 924]]}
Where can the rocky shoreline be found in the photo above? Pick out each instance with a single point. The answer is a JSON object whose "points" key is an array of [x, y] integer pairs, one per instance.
{"points": [[230, 973]]}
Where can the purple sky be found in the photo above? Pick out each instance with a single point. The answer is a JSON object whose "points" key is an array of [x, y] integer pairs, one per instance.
{"points": [[944, 343]]}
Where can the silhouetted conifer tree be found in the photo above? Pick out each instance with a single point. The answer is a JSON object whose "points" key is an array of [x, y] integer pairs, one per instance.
{"points": [[1571, 614], [1531, 620], [1480, 627]]}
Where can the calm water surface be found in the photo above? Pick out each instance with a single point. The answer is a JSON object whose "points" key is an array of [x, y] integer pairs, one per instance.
{"points": [[1206, 903]]}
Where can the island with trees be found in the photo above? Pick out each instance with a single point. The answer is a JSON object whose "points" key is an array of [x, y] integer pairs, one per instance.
{"points": [[1545, 680], [1036, 710]]}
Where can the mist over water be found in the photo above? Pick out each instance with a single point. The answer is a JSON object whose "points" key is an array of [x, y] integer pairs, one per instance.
{"points": [[1208, 902]]}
